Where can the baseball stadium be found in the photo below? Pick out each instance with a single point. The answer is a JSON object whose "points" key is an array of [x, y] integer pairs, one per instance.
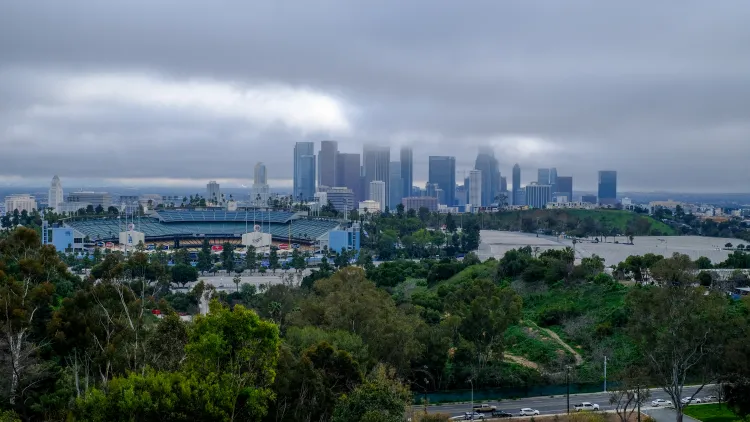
{"points": [[188, 228]]}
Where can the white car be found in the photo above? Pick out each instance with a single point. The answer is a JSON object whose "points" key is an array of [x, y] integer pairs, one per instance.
{"points": [[710, 398], [586, 406], [527, 411], [690, 400], [473, 416], [661, 402]]}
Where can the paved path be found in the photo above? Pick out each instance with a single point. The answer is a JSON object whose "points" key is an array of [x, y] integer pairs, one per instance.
{"points": [[667, 415], [556, 404]]}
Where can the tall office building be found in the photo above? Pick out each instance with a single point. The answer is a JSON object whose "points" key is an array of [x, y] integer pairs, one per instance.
{"points": [[327, 156], [55, 197], [607, 187], [407, 171], [213, 192], [396, 185], [564, 188], [260, 192], [487, 164], [304, 171], [376, 166], [348, 170], [537, 196], [475, 188], [542, 176], [378, 193], [442, 172], [553, 179], [516, 187], [342, 199]]}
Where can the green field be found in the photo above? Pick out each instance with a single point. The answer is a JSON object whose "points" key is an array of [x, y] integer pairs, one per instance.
{"points": [[712, 413]]}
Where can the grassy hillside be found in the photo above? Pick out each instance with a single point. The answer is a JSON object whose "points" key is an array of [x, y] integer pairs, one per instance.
{"points": [[588, 318], [586, 222]]}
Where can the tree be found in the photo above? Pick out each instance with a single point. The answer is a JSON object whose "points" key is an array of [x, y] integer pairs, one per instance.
{"points": [[238, 350], [237, 280], [227, 257], [26, 292], [251, 259], [99, 209], [273, 259], [630, 394], [382, 397], [728, 245], [184, 274], [680, 331], [450, 223], [298, 261], [204, 257], [181, 256]]}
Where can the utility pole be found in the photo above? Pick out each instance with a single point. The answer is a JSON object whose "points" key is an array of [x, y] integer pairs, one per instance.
{"points": [[567, 381], [605, 374], [638, 400]]}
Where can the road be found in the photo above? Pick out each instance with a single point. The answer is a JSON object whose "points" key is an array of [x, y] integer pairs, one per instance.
{"points": [[552, 405]]}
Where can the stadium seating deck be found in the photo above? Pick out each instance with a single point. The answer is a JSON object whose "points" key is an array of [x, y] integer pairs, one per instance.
{"points": [[109, 229], [189, 216]]}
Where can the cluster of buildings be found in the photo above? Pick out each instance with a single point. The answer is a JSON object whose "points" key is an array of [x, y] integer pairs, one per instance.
{"points": [[373, 182]]}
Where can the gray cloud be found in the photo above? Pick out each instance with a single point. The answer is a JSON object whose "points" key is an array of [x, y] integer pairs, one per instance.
{"points": [[168, 90]]}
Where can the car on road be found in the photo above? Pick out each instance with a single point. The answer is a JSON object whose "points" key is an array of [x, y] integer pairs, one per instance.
{"points": [[485, 408], [586, 406], [473, 416], [710, 398], [690, 400], [527, 411], [501, 414], [661, 402]]}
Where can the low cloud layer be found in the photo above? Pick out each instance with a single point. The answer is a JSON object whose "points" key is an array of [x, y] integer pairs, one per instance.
{"points": [[154, 93]]}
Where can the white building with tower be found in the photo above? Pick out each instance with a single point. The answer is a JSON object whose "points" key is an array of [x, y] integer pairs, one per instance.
{"points": [[55, 197], [377, 193]]}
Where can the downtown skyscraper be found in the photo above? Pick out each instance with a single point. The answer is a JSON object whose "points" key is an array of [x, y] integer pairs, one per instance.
{"points": [[348, 169], [487, 164], [516, 185], [442, 172], [407, 171], [327, 163], [607, 192], [376, 162], [304, 171]]}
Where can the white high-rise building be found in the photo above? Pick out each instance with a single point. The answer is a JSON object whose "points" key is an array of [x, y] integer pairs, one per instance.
{"points": [[377, 193], [475, 188], [260, 192], [55, 194], [20, 202], [213, 193]]}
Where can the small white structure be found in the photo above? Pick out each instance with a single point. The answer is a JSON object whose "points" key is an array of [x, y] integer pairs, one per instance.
{"points": [[369, 206], [20, 202], [256, 238]]}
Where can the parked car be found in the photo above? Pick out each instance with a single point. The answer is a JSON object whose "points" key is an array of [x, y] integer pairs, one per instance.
{"points": [[501, 414], [586, 406], [473, 416], [484, 407], [690, 400], [661, 402], [710, 398], [527, 411]]}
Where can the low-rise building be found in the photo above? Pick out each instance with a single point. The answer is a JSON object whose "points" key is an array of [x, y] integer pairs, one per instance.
{"points": [[369, 206], [20, 202], [417, 202]]}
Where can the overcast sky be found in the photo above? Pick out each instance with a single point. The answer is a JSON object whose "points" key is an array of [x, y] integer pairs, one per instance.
{"points": [[158, 93]]}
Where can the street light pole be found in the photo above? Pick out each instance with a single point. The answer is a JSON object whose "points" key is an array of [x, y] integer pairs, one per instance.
{"points": [[472, 396], [605, 374], [567, 381]]}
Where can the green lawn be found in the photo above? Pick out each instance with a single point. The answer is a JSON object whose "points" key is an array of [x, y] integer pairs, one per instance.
{"points": [[711, 413]]}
